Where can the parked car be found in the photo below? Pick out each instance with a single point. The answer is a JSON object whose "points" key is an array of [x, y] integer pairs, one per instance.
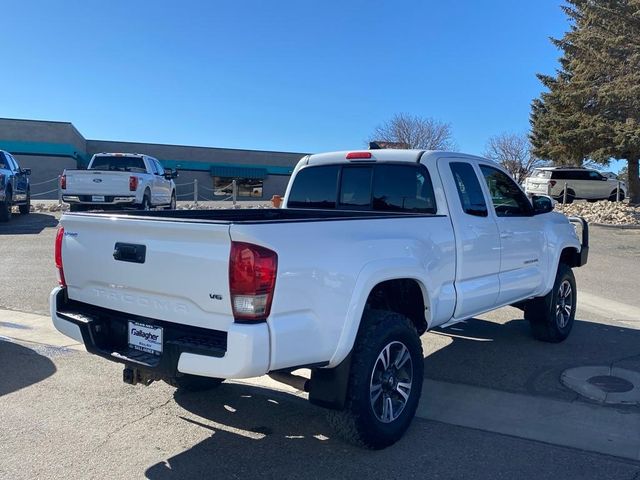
{"points": [[14, 186], [582, 183], [370, 250], [119, 180]]}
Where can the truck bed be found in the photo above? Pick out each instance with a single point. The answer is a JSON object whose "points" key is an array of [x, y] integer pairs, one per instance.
{"points": [[257, 215]]}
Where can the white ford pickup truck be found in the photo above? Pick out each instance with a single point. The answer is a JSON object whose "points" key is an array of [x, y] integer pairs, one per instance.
{"points": [[119, 180], [371, 249]]}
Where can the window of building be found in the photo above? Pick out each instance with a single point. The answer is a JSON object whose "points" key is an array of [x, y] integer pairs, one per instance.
{"points": [[247, 187]]}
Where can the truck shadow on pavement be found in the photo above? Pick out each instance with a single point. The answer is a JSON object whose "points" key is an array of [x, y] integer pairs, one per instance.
{"points": [[21, 367], [33, 224], [255, 432], [506, 357]]}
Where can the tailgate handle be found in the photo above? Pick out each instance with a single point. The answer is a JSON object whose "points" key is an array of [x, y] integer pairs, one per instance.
{"points": [[129, 252]]}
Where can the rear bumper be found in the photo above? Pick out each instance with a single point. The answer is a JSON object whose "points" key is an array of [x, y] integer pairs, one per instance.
{"points": [[241, 352], [108, 199]]}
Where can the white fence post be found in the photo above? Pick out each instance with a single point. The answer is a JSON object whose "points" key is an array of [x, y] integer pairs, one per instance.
{"points": [[618, 191], [195, 191], [564, 194], [234, 192], [59, 191]]}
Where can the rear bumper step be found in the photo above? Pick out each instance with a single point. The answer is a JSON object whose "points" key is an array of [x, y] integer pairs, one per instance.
{"points": [[241, 352], [105, 333]]}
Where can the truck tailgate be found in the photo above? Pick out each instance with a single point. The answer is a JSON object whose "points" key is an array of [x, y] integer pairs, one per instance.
{"points": [[98, 182], [181, 277]]}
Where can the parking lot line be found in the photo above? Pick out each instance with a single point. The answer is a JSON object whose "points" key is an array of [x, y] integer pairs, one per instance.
{"points": [[572, 424]]}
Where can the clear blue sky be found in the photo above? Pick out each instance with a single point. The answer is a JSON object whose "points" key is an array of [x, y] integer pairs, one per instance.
{"points": [[299, 75]]}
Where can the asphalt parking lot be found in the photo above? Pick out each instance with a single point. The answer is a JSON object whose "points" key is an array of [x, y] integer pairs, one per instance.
{"points": [[493, 404]]}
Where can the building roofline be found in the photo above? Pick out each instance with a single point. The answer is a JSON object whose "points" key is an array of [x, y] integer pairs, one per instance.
{"points": [[196, 146], [45, 121]]}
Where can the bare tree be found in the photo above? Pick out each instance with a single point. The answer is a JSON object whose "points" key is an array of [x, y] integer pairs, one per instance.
{"points": [[513, 152], [412, 131]]}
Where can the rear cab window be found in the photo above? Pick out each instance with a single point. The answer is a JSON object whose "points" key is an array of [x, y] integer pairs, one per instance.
{"points": [[118, 164], [403, 188]]}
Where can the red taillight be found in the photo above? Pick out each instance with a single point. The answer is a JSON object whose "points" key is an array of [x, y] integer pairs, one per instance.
{"points": [[133, 184], [552, 183], [58, 257], [63, 182], [358, 155], [252, 280]]}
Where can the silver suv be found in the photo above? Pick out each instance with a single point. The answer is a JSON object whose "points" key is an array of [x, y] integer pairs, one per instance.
{"points": [[581, 183]]}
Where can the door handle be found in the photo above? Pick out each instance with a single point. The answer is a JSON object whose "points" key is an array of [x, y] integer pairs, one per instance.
{"points": [[506, 234], [129, 252]]}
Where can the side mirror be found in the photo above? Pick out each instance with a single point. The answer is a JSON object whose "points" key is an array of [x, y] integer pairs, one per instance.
{"points": [[541, 204], [170, 174], [26, 171]]}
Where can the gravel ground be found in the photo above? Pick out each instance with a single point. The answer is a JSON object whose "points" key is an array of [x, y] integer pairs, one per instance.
{"points": [[604, 212]]}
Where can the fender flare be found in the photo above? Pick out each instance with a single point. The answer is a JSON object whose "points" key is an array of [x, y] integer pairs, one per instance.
{"points": [[369, 276]]}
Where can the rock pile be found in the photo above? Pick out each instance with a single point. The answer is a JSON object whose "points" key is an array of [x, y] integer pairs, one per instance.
{"points": [[604, 212]]}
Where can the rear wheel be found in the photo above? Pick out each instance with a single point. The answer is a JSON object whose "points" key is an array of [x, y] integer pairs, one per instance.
{"points": [[172, 204], [194, 383], [385, 381], [614, 196], [5, 208], [571, 195], [146, 201], [551, 317], [26, 207]]}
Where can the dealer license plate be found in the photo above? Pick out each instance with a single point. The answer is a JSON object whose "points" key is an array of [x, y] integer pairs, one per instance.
{"points": [[145, 337], [97, 198]]}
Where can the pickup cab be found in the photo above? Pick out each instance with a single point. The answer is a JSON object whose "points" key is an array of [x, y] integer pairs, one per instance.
{"points": [[119, 180], [371, 250]]}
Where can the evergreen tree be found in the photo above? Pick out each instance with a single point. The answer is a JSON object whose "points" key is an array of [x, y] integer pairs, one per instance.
{"points": [[592, 107]]}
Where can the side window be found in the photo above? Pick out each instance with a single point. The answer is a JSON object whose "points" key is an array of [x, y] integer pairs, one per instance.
{"points": [[3, 161], [315, 187], [152, 166], [403, 188], [594, 175], [13, 163], [355, 188], [159, 167], [469, 190], [508, 199]]}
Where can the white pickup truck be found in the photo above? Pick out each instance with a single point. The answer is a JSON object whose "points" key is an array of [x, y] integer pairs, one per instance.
{"points": [[371, 249], [119, 180]]}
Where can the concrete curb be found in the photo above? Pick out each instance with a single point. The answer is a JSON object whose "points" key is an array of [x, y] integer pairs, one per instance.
{"points": [[571, 424], [621, 227]]}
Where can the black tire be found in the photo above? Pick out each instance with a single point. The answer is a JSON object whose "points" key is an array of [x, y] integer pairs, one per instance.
{"points": [[146, 201], [550, 317], [571, 195], [173, 203], [5, 208], [614, 196], [360, 422], [194, 383], [25, 208]]}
